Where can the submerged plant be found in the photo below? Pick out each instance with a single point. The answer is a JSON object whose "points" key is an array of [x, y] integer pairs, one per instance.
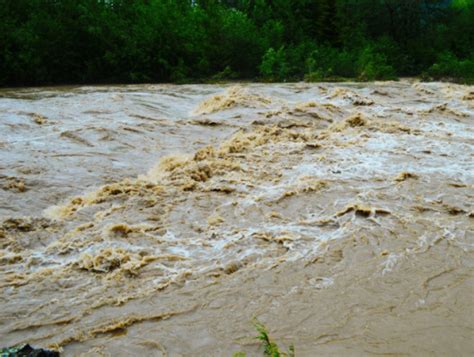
{"points": [[271, 348]]}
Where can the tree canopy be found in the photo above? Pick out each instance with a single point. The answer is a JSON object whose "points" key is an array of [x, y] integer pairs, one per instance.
{"points": [[129, 41]]}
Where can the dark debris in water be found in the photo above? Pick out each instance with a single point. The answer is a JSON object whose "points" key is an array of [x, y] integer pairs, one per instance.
{"points": [[26, 351]]}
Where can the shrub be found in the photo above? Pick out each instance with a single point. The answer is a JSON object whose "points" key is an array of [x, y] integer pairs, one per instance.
{"points": [[448, 66], [373, 65], [224, 75], [327, 63], [240, 46], [274, 66], [288, 63]]}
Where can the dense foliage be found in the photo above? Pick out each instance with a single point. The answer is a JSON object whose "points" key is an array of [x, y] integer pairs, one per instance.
{"points": [[79, 41]]}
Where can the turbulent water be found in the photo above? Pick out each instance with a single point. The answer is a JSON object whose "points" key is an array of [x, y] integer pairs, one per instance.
{"points": [[162, 220]]}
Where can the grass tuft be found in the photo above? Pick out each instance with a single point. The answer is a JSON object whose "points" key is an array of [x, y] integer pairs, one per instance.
{"points": [[270, 347]]}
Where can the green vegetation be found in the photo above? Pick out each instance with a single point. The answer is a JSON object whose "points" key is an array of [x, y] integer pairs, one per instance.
{"points": [[98, 41], [449, 66], [270, 348]]}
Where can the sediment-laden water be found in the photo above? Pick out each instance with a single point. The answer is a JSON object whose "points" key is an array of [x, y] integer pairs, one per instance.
{"points": [[161, 220]]}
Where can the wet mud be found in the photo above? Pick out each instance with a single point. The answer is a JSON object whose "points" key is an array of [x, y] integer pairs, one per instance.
{"points": [[161, 219]]}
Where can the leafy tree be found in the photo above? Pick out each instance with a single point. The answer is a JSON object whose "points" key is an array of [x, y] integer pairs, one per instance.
{"points": [[93, 41]]}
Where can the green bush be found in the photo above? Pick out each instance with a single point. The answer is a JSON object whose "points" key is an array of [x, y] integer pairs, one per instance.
{"points": [[240, 46], [225, 75], [394, 56], [373, 65], [448, 66], [328, 62], [296, 57], [288, 63], [274, 66]]}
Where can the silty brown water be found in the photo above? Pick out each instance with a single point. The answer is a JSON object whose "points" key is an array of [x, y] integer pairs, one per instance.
{"points": [[160, 219]]}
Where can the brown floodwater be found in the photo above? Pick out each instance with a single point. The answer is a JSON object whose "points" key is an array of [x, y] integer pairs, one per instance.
{"points": [[162, 220]]}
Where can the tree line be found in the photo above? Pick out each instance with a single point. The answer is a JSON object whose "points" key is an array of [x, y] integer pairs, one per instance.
{"points": [[133, 41]]}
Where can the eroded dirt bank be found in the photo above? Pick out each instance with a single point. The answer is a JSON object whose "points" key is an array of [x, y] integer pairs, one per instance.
{"points": [[159, 220]]}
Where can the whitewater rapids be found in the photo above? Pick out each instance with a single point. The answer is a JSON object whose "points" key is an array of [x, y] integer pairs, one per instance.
{"points": [[161, 219]]}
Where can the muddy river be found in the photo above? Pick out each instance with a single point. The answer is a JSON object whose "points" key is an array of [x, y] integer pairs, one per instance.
{"points": [[163, 220]]}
